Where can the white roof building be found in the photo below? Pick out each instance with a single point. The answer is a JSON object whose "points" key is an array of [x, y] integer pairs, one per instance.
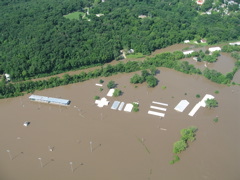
{"points": [[7, 77], [128, 107], [202, 103], [235, 43], [188, 52], [212, 49], [110, 92], [102, 102], [181, 105], [49, 100]]}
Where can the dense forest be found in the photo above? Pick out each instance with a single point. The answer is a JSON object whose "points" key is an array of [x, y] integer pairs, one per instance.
{"points": [[36, 39]]}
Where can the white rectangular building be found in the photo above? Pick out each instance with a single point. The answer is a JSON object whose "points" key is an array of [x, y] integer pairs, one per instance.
{"points": [[49, 100]]}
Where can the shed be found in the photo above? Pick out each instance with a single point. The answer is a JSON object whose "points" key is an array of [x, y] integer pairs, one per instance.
{"points": [[128, 107], [110, 92], [212, 49], [181, 105], [235, 43], [188, 52], [115, 105]]}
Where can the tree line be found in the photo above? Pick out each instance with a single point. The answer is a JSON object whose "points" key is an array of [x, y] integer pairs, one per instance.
{"points": [[168, 60]]}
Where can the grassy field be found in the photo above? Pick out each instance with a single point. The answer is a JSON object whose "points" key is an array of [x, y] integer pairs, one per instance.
{"points": [[135, 55], [74, 15]]}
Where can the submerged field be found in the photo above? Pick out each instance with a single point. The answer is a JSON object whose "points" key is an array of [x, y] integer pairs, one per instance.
{"points": [[117, 150]]}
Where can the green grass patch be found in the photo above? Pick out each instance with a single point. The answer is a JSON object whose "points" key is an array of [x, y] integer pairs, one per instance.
{"points": [[74, 15], [135, 55], [215, 119], [164, 87]]}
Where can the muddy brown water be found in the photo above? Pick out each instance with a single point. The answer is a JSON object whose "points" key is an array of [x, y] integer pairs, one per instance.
{"points": [[124, 145]]}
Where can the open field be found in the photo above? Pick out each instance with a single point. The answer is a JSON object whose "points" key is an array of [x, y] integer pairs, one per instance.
{"points": [[74, 15], [125, 145]]}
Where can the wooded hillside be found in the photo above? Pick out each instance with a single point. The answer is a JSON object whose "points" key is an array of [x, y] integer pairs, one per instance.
{"points": [[36, 39]]}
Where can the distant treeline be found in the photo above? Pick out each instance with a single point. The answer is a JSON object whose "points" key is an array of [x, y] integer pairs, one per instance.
{"points": [[169, 60], [37, 40]]}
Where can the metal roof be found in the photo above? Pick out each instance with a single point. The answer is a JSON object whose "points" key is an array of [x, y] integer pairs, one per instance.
{"points": [[49, 99]]}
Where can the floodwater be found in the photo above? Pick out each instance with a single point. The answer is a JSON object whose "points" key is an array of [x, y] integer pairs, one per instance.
{"points": [[95, 143], [224, 64]]}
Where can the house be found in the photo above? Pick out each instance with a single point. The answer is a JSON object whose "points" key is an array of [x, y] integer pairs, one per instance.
{"points": [[186, 41], [188, 52], [235, 43], [212, 49], [7, 77], [142, 16], [203, 41], [200, 2], [99, 15], [130, 51]]}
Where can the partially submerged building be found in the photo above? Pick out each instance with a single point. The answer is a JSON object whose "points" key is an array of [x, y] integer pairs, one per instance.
{"points": [[49, 100], [212, 49], [235, 43], [188, 52]]}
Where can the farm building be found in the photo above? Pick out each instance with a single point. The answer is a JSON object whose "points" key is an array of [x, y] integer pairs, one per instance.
{"points": [[235, 43], [188, 52], [212, 49], [49, 100]]}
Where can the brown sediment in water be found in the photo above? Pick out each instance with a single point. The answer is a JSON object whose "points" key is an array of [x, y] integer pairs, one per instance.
{"points": [[124, 145]]}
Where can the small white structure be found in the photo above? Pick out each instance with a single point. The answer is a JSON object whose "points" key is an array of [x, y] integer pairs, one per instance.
{"points": [[200, 2], [26, 123], [186, 41], [235, 43], [121, 106], [142, 16], [7, 77], [159, 103], [156, 113], [158, 108], [212, 49], [182, 105], [128, 107], [188, 52], [102, 102], [115, 105], [99, 15], [202, 103], [110, 92], [99, 85], [130, 51]]}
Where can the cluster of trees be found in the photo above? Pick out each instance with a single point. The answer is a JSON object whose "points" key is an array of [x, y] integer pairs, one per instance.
{"points": [[145, 76], [211, 103], [186, 136], [36, 40]]}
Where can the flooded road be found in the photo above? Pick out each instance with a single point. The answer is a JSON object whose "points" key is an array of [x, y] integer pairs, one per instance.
{"points": [[95, 143]]}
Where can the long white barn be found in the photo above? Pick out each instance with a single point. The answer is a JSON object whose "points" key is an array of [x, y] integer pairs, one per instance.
{"points": [[49, 100]]}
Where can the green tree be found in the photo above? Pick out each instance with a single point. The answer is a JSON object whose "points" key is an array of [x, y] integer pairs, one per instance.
{"points": [[179, 146], [117, 92], [151, 81], [211, 103], [137, 79], [111, 84]]}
